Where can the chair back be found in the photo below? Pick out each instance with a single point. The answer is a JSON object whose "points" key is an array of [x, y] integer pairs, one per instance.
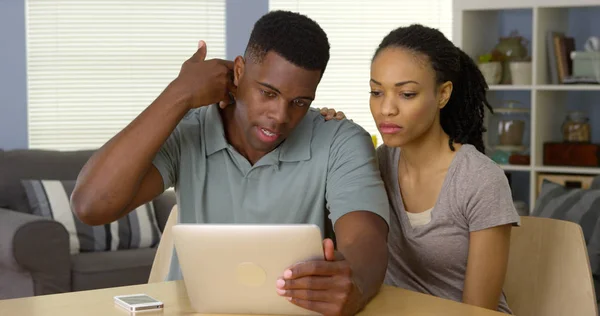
{"points": [[162, 260], [549, 270]]}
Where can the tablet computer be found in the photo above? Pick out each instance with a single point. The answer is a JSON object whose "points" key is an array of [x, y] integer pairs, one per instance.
{"points": [[233, 269]]}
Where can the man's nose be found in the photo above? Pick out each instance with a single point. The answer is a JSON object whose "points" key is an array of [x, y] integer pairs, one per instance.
{"points": [[279, 112]]}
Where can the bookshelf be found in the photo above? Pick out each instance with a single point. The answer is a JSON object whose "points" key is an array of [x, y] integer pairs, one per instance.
{"points": [[478, 24]]}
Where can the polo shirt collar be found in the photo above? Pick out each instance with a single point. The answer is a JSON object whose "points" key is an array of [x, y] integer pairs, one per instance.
{"points": [[295, 148], [214, 133]]}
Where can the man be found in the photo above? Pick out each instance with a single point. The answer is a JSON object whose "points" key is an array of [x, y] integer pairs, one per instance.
{"points": [[266, 158]]}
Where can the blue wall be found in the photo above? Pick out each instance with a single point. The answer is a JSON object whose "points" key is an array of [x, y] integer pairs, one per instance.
{"points": [[13, 79], [240, 17]]}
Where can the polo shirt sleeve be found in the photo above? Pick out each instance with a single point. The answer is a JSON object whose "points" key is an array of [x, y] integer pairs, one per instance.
{"points": [[167, 159], [353, 179]]}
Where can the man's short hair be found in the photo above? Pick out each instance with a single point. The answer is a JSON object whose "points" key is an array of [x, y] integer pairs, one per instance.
{"points": [[293, 36]]}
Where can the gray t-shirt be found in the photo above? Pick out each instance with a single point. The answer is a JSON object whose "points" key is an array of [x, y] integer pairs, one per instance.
{"points": [[432, 258]]}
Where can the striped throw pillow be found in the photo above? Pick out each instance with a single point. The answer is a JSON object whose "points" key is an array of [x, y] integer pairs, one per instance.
{"points": [[50, 199], [581, 206]]}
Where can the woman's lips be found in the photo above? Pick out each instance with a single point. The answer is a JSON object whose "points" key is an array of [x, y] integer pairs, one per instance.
{"points": [[389, 128]]}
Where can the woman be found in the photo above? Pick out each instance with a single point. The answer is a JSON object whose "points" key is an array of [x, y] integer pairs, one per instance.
{"points": [[451, 206]]}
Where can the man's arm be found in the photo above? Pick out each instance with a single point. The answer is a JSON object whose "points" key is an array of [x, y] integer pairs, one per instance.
{"points": [[344, 283], [359, 208], [120, 176], [347, 280], [362, 240]]}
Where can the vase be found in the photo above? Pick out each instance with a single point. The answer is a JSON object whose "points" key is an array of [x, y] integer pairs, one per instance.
{"points": [[512, 48], [492, 72], [520, 72]]}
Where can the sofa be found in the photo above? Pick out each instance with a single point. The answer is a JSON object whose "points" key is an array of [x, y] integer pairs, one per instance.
{"points": [[37, 253]]}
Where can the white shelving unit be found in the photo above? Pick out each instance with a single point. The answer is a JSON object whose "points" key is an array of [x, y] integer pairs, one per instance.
{"points": [[478, 24]]}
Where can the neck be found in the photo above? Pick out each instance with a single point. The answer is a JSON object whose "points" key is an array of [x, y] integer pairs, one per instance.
{"points": [[235, 135], [426, 151]]}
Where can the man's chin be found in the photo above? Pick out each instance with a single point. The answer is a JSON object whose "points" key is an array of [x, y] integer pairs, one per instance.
{"points": [[265, 147]]}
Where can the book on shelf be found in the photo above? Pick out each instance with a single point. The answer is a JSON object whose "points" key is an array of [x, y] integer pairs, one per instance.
{"points": [[580, 80], [560, 64]]}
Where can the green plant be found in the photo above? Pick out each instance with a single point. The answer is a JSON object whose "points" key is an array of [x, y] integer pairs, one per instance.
{"points": [[485, 58], [492, 56]]}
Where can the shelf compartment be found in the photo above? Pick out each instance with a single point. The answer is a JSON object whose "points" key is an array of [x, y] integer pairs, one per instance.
{"points": [[521, 168], [551, 110], [569, 87], [481, 29], [567, 170], [509, 87], [552, 107], [577, 22]]}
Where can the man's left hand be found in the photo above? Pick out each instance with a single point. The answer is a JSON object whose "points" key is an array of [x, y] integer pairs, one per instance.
{"points": [[326, 287]]}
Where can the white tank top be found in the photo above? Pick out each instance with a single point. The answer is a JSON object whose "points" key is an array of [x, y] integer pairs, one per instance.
{"points": [[419, 219]]}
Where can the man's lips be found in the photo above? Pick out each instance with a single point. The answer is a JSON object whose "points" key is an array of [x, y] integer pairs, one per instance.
{"points": [[268, 130], [267, 135]]}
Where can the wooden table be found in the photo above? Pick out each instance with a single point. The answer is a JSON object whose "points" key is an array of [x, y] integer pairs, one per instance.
{"points": [[390, 301]]}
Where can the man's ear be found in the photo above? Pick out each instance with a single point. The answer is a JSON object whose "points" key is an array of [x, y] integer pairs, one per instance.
{"points": [[239, 65], [445, 92]]}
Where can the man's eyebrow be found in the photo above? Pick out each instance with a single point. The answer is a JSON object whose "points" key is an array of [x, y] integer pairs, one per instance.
{"points": [[269, 86], [277, 90], [307, 98]]}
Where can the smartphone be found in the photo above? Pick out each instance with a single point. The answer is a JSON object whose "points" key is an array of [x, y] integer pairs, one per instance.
{"points": [[138, 302]]}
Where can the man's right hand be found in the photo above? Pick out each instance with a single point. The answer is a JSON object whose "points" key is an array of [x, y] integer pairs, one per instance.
{"points": [[204, 82]]}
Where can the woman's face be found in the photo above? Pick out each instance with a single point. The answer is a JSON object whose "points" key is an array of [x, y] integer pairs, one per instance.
{"points": [[405, 98]]}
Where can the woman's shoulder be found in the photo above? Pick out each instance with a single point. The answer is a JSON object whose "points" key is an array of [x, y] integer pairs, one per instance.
{"points": [[474, 164], [475, 173], [482, 191], [386, 159], [386, 155]]}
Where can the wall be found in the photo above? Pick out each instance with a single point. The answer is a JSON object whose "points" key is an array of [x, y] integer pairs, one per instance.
{"points": [[240, 17], [13, 80]]}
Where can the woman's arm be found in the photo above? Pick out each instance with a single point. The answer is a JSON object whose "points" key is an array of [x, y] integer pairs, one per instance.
{"points": [[486, 266]]}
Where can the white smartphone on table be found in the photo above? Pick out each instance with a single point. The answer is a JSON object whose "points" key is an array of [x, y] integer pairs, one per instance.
{"points": [[138, 302]]}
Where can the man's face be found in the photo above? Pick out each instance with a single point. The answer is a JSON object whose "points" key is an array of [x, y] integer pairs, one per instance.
{"points": [[272, 98]]}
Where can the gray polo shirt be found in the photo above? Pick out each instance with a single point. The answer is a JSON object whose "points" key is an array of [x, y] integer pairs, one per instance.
{"points": [[323, 169]]}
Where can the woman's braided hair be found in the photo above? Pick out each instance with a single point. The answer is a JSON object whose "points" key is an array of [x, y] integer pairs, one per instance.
{"points": [[462, 117]]}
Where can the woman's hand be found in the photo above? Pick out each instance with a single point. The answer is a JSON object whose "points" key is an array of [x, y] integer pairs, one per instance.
{"points": [[330, 114]]}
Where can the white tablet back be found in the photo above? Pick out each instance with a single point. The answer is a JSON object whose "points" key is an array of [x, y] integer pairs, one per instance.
{"points": [[232, 269]]}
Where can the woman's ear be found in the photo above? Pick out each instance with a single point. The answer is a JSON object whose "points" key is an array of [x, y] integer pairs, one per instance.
{"points": [[445, 92], [239, 66]]}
